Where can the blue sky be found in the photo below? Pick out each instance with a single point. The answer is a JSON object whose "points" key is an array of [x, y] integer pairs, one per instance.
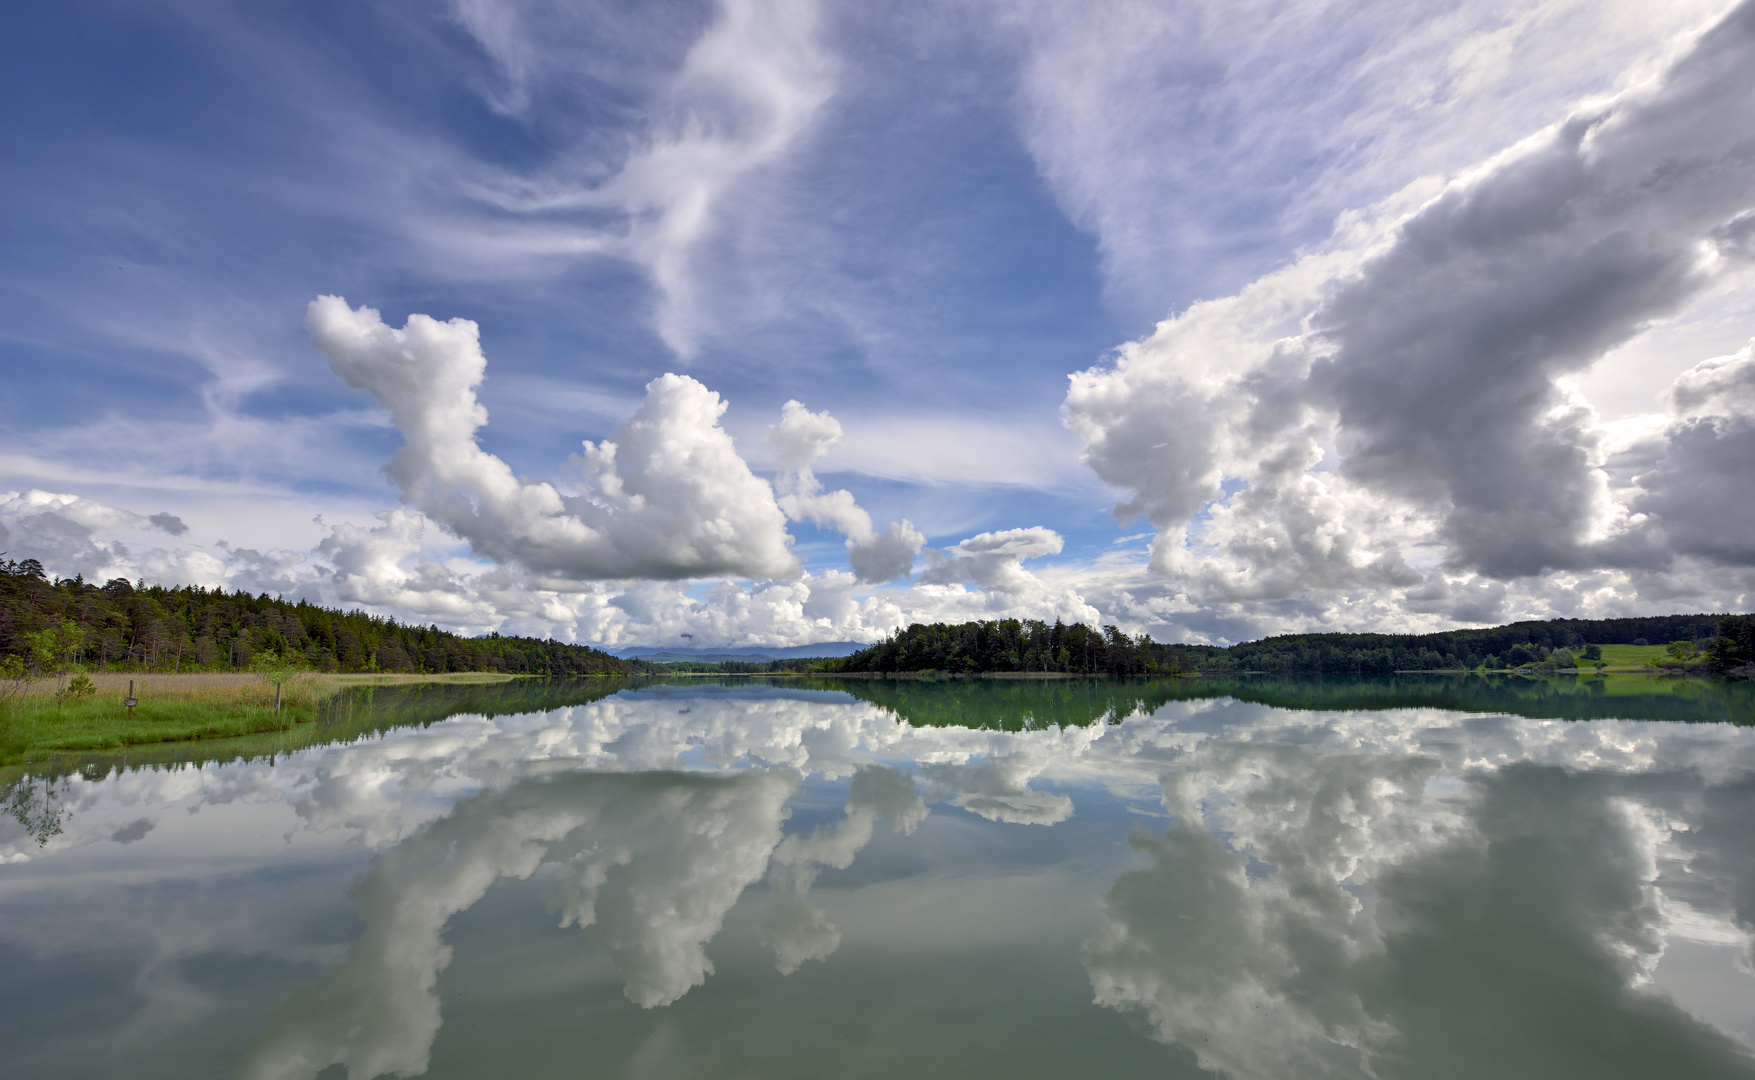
{"points": [[1277, 245]]}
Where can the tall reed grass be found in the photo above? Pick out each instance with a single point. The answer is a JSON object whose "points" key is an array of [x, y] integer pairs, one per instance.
{"points": [[230, 686]]}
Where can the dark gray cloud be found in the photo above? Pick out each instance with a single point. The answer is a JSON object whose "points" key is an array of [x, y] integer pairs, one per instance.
{"points": [[1702, 490], [1447, 346], [1385, 432], [66, 546], [170, 523]]}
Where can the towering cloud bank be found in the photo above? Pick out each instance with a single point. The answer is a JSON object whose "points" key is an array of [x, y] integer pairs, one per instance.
{"points": [[1394, 414]]}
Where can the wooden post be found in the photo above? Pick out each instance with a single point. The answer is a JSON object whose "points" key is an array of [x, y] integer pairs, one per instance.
{"points": [[277, 699], [130, 701]]}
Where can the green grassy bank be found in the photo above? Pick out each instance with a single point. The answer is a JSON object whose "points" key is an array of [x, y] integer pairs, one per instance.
{"points": [[174, 709]]}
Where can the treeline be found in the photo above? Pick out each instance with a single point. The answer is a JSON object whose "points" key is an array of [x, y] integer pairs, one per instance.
{"points": [[1011, 645], [117, 625], [1496, 647]]}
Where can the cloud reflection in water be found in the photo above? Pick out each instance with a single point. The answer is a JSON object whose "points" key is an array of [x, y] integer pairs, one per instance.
{"points": [[650, 861], [1404, 893], [1341, 915]]}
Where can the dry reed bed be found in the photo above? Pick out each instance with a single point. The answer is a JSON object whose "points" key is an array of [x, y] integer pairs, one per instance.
{"points": [[208, 685], [241, 685]]}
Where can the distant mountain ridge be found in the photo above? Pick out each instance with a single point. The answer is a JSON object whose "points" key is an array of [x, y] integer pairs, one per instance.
{"points": [[755, 655]]}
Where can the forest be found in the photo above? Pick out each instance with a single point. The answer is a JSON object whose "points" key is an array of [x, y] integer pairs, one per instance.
{"points": [[153, 628], [1012, 645], [1722, 642], [1714, 636]]}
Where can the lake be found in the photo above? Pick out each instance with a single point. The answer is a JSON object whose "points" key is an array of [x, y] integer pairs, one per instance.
{"points": [[1408, 877]]}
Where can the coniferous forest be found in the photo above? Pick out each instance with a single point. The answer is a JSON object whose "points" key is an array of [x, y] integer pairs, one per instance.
{"points": [[1724, 642], [1011, 645], [121, 625]]}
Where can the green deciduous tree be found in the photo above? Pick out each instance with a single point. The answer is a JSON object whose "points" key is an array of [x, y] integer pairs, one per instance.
{"points": [[54, 648]]}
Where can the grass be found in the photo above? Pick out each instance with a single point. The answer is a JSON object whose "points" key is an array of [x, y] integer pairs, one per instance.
{"points": [[1636, 658], [172, 708], [1633, 656]]}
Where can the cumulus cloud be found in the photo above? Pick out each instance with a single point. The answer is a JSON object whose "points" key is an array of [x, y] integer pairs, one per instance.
{"points": [[665, 496], [798, 440], [1692, 475], [179, 567], [1723, 386], [60, 532], [993, 559], [373, 567], [403, 567], [1394, 413]]}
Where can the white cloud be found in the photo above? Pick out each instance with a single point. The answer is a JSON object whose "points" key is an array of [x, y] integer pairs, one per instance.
{"points": [[58, 530], [994, 562], [1692, 475], [665, 496], [1723, 386], [371, 568], [951, 449], [1194, 147], [798, 440], [747, 90]]}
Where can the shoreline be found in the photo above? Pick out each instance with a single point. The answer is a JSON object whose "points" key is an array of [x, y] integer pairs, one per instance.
{"points": [[180, 707], [234, 711]]}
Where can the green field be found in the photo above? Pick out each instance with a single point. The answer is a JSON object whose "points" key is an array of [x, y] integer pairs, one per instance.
{"points": [[1625, 657], [1633, 656]]}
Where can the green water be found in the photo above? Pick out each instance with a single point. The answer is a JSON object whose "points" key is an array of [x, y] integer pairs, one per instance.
{"points": [[1417, 876]]}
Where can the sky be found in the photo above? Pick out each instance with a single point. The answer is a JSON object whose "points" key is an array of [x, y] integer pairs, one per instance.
{"points": [[736, 323]]}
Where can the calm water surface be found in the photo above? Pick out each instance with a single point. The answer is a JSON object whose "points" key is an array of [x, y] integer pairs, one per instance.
{"points": [[1417, 878]]}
